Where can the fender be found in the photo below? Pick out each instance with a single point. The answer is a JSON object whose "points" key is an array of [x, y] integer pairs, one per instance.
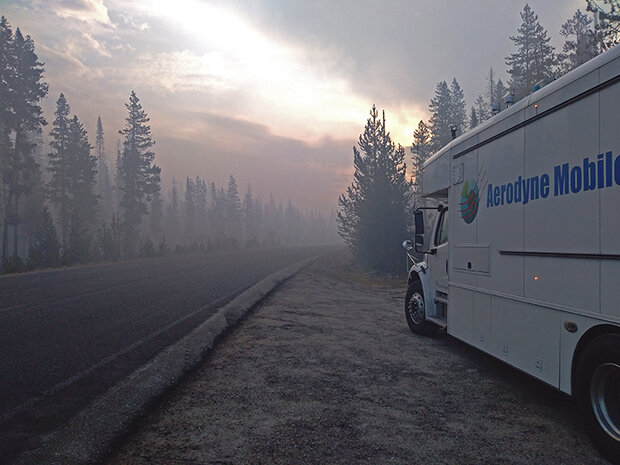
{"points": [[418, 272]]}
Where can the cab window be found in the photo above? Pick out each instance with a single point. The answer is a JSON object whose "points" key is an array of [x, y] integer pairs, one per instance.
{"points": [[442, 231]]}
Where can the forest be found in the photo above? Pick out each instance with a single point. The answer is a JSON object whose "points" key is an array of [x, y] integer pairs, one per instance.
{"points": [[65, 201]]}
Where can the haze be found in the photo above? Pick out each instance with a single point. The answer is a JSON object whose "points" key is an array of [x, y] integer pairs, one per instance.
{"points": [[272, 91]]}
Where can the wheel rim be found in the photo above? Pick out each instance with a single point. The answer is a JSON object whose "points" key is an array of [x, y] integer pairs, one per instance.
{"points": [[605, 398], [416, 308]]}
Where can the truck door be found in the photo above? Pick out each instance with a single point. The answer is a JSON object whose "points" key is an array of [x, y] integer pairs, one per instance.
{"points": [[438, 262]]}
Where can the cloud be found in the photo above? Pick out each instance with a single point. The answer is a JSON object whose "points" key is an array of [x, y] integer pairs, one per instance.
{"points": [[89, 11], [393, 53], [95, 45], [68, 63]]}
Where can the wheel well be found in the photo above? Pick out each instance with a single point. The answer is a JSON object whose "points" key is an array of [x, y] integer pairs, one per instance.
{"points": [[589, 335], [413, 276]]}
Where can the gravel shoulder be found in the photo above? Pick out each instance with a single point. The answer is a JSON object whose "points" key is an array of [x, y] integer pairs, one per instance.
{"points": [[326, 371]]}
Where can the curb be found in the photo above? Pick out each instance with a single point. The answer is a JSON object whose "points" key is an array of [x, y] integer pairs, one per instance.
{"points": [[92, 432]]}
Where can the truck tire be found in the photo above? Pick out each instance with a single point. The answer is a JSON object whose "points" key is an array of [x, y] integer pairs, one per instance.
{"points": [[415, 311], [597, 393]]}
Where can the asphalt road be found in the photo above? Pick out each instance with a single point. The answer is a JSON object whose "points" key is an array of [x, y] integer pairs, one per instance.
{"points": [[66, 336]]}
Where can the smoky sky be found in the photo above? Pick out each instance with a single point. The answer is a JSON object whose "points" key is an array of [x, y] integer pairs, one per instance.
{"points": [[275, 92]]}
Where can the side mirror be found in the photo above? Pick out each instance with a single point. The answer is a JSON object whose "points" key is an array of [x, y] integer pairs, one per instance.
{"points": [[419, 223], [408, 245]]}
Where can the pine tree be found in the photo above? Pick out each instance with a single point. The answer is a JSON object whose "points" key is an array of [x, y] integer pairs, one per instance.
{"points": [[104, 187], [501, 91], [458, 117], [24, 89], [495, 93], [44, 247], [6, 76], [156, 214], [583, 47], [421, 150], [200, 190], [189, 205], [116, 178], [58, 162], [292, 223], [233, 210], [249, 222], [482, 109], [216, 213], [534, 61], [473, 118], [139, 176], [494, 100], [172, 214], [441, 115], [82, 175], [71, 187], [373, 215], [606, 22]]}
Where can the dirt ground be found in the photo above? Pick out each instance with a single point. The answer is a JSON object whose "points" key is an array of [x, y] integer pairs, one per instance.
{"points": [[326, 371]]}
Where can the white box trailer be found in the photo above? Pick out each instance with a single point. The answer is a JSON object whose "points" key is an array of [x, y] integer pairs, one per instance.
{"points": [[530, 272]]}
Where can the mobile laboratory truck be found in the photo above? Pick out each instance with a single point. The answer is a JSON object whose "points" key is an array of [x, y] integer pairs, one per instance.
{"points": [[530, 269]]}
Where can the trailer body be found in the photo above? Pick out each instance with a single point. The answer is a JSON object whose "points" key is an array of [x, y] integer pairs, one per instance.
{"points": [[523, 259]]}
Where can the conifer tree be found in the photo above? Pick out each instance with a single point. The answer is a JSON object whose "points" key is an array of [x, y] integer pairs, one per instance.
{"points": [[24, 118], [448, 111], [441, 115], [139, 176], [580, 44], [44, 246], [104, 187], [6, 76], [172, 214], [189, 205], [534, 60], [421, 150], [500, 91], [156, 214], [71, 187], [458, 117], [482, 109], [249, 222], [473, 118], [606, 22], [58, 162], [201, 205], [82, 173], [373, 216], [233, 210], [491, 93]]}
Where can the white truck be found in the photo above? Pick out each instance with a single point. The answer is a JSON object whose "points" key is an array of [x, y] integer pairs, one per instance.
{"points": [[529, 268]]}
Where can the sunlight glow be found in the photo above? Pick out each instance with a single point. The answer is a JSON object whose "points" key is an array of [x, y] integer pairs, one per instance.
{"points": [[231, 55]]}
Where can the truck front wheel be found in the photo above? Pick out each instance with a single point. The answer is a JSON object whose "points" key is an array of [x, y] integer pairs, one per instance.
{"points": [[415, 311], [597, 392]]}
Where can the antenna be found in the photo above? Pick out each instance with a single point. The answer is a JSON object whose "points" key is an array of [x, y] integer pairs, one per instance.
{"points": [[453, 130]]}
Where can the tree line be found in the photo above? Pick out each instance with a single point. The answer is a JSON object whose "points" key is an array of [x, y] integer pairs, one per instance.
{"points": [[377, 208], [67, 204]]}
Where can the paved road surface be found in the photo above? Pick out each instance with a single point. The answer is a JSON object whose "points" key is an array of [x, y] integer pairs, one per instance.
{"points": [[68, 335]]}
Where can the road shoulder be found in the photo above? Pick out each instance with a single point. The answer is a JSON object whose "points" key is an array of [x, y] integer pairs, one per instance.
{"points": [[326, 371]]}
